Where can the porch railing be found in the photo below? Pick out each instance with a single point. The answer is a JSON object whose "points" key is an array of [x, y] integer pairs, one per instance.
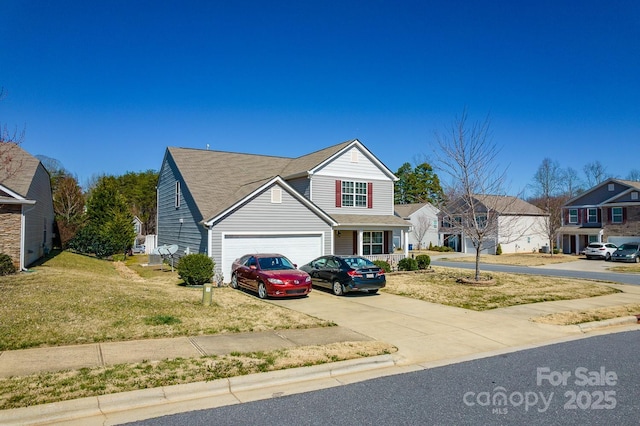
{"points": [[391, 258]]}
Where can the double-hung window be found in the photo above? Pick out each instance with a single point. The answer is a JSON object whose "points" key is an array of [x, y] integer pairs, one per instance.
{"points": [[616, 215], [372, 242], [178, 193], [573, 216], [592, 215], [354, 194]]}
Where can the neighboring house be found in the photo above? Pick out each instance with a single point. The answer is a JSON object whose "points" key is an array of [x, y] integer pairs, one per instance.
{"points": [[516, 225], [424, 222], [137, 227], [26, 206], [608, 212], [338, 200]]}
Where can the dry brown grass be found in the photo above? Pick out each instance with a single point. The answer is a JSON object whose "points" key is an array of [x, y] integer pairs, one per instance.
{"points": [[517, 259], [441, 287], [72, 299], [53, 387], [579, 317]]}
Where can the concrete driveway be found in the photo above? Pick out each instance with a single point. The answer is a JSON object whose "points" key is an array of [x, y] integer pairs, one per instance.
{"points": [[426, 332]]}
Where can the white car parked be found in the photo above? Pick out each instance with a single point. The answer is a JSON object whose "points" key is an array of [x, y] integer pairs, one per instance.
{"points": [[600, 250]]}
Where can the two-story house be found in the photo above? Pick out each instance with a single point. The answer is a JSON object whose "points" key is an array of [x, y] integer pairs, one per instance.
{"points": [[505, 220], [338, 200], [608, 212]]}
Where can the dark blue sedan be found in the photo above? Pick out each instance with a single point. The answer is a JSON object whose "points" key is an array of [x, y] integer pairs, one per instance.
{"points": [[344, 274]]}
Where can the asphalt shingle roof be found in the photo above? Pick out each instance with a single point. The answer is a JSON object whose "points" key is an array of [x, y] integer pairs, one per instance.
{"points": [[218, 179], [17, 168]]}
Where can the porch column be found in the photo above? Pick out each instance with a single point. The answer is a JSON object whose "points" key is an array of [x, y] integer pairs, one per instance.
{"points": [[577, 244], [406, 243], [360, 239]]}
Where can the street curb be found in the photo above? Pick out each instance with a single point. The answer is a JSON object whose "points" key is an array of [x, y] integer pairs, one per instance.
{"points": [[96, 409], [588, 326]]}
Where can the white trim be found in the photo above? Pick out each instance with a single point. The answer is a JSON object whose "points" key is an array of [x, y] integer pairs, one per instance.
{"points": [[209, 223]]}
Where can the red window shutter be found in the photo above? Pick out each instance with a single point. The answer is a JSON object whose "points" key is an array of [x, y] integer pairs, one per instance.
{"points": [[338, 193], [369, 195], [385, 249], [624, 215]]}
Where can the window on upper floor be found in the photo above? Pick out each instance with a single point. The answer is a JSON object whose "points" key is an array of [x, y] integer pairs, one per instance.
{"points": [[573, 216], [634, 195], [178, 194], [354, 194], [592, 215], [616, 215], [481, 221], [611, 187]]}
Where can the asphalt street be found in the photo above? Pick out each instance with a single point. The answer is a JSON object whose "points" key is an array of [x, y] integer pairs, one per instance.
{"points": [[585, 269], [582, 382]]}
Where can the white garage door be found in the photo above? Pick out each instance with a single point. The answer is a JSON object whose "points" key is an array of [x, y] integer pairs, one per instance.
{"points": [[300, 249]]}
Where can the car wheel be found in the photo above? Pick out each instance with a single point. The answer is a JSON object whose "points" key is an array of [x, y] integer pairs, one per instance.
{"points": [[373, 291], [607, 257], [637, 259], [234, 281], [262, 291], [338, 290]]}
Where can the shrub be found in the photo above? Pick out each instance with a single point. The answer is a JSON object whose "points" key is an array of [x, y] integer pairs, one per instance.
{"points": [[441, 248], [383, 264], [6, 265], [498, 250], [423, 261], [196, 269], [408, 264]]}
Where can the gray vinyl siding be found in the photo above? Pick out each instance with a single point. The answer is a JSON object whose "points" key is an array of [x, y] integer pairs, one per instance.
{"points": [[188, 234], [38, 218], [344, 168], [261, 216], [324, 196], [302, 185], [598, 195]]}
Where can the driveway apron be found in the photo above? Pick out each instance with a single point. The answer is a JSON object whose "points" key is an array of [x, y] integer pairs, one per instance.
{"points": [[423, 331]]}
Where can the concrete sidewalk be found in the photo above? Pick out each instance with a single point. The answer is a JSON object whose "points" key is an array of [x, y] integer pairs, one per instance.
{"points": [[426, 334], [29, 361]]}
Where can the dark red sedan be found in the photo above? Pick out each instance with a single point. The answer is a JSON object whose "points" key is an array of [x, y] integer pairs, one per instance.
{"points": [[269, 275]]}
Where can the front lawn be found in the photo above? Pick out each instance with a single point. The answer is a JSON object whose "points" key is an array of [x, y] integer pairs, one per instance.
{"points": [[73, 299], [441, 286]]}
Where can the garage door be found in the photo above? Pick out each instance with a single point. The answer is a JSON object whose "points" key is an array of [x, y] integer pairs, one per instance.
{"points": [[621, 240], [299, 248]]}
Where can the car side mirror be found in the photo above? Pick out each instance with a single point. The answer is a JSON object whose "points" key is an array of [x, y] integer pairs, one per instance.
{"points": [[253, 267]]}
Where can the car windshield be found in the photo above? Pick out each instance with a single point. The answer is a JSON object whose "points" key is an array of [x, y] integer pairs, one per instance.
{"points": [[628, 247], [273, 263]]}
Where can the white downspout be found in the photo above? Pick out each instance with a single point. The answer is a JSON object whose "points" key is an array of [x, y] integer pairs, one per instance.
{"points": [[23, 230]]}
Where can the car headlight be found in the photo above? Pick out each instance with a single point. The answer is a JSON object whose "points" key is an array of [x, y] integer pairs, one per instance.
{"points": [[307, 280], [275, 281]]}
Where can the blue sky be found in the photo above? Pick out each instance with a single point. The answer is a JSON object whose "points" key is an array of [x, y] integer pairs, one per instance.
{"points": [[106, 86]]}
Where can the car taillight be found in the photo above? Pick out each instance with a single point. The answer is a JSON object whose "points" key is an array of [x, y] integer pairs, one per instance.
{"points": [[381, 272], [353, 273]]}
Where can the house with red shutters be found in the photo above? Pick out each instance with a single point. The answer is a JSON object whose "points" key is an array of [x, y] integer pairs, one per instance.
{"points": [[337, 200], [608, 212]]}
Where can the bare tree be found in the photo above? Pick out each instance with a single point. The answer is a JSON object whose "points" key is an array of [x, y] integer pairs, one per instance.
{"points": [[421, 228], [548, 187], [572, 183], [68, 205], [634, 175], [475, 190], [595, 173]]}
